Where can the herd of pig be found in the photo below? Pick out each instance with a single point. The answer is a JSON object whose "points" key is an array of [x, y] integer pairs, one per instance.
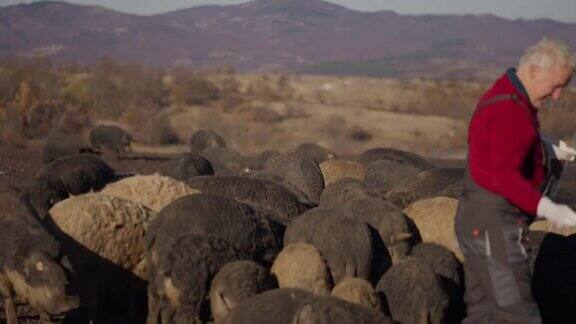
{"points": [[300, 236]]}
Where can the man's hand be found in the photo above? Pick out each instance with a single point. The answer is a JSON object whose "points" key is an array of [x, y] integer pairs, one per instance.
{"points": [[557, 214]]}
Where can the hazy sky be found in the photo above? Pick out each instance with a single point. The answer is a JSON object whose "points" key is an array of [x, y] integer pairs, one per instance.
{"points": [[563, 10]]}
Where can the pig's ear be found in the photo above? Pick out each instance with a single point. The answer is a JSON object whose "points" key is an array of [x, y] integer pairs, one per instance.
{"points": [[65, 262]]}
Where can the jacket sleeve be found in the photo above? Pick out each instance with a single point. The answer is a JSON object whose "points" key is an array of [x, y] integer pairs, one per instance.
{"points": [[512, 138]]}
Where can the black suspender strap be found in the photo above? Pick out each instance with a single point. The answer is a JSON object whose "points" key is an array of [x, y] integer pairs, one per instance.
{"points": [[498, 98]]}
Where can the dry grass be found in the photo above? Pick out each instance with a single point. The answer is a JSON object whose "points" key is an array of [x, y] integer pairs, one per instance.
{"points": [[253, 112], [329, 126]]}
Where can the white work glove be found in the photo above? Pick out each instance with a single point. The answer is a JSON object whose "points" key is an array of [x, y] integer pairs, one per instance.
{"points": [[564, 152], [557, 214]]}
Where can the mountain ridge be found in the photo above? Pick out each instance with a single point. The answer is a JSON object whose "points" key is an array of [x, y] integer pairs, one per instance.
{"points": [[275, 35]]}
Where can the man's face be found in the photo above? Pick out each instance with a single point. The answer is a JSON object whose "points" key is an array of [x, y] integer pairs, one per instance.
{"points": [[548, 83]]}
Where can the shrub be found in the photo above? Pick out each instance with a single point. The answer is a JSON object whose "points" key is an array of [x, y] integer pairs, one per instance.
{"points": [[189, 89]]}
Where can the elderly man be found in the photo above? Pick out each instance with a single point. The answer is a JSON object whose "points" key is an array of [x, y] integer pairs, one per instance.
{"points": [[506, 185]]}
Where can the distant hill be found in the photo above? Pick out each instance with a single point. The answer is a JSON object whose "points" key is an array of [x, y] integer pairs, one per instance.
{"points": [[267, 35]]}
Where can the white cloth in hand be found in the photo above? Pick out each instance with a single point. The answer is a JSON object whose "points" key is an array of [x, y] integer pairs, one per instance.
{"points": [[564, 152], [561, 151], [557, 214]]}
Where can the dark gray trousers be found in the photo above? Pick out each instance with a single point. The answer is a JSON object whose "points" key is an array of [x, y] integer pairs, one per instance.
{"points": [[492, 236]]}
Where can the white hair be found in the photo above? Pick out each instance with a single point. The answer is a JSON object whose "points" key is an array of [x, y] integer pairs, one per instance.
{"points": [[547, 53]]}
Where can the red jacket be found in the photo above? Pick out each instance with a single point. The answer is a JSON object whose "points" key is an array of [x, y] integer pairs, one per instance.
{"points": [[504, 151]]}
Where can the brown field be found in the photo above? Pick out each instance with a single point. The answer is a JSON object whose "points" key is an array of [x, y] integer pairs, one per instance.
{"points": [[253, 112]]}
